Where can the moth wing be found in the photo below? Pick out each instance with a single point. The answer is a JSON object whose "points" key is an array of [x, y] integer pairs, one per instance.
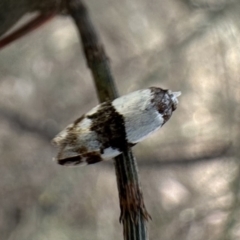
{"points": [[140, 116], [77, 144], [133, 102], [60, 138]]}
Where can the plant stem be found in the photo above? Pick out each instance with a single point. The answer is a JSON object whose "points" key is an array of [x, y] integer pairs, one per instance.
{"points": [[133, 212]]}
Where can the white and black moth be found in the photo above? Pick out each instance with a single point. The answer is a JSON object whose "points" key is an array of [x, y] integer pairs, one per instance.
{"points": [[106, 130]]}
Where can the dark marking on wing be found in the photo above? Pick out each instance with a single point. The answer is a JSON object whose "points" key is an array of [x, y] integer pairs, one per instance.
{"points": [[72, 135], [82, 149], [109, 126], [89, 158], [71, 160], [93, 157], [78, 120]]}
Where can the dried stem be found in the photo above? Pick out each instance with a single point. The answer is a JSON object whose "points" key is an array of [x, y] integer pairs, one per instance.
{"points": [[133, 211]]}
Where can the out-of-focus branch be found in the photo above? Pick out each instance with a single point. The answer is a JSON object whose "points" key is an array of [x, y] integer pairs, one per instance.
{"points": [[173, 51], [208, 5], [133, 212], [213, 153], [27, 125], [13, 10], [32, 25]]}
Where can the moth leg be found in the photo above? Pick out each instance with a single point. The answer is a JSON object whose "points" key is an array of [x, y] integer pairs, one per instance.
{"points": [[81, 159]]}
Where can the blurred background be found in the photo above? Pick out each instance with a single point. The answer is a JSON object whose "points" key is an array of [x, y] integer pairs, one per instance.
{"points": [[189, 169]]}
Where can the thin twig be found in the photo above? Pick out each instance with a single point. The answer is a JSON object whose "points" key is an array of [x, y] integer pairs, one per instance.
{"points": [[133, 211]]}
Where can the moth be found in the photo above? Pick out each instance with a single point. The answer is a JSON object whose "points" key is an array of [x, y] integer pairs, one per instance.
{"points": [[106, 130]]}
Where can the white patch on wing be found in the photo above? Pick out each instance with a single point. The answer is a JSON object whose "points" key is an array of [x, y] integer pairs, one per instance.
{"points": [[86, 137], [140, 127], [109, 153], [153, 127], [84, 125], [140, 116], [135, 101]]}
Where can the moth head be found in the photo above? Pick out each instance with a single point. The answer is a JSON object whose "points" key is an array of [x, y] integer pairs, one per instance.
{"points": [[173, 96], [165, 101]]}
